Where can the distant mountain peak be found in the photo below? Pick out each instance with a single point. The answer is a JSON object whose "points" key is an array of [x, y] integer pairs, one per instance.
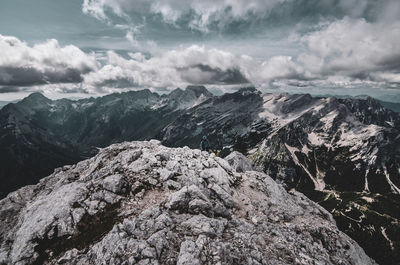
{"points": [[34, 101], [190, 97], [176, 92], [198, 90], [37, 96], [249, 89]]}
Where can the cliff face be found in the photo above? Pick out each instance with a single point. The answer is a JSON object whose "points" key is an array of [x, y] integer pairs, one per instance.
{"points": [[143, 203]]}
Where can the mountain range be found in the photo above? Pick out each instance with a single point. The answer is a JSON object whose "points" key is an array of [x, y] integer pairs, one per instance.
{"points": [[342, 153], [38, 134]]}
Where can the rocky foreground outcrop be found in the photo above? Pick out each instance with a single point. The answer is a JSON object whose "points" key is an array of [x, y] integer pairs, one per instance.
{"points": [[143, 203]]}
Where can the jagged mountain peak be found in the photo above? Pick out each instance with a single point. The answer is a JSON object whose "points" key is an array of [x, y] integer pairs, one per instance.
{"points": [[350, 132], [370, 111], [195, 91], [142, 93], [133, 99], [176, 91], [199, 90], [35, 99], [247, 90], [241, 95], [36, 96], [143, 203], [190, 97]]}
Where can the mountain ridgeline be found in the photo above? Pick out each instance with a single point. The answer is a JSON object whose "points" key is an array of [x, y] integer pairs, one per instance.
{"points": [[342, 153], [38, 134]]}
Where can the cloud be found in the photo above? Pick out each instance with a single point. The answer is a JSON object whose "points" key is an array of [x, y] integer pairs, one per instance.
{"points": [[344, 53], [204, 75], [48, 62], [10, 89], [338, 42], [354, 48], [219, 15], [193, 65]]}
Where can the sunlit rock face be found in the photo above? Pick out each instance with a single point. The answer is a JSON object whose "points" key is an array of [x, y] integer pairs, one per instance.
{"points": [[143, 203]]}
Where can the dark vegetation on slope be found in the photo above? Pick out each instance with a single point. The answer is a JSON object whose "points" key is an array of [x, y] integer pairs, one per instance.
{"points": [[372, 219]]}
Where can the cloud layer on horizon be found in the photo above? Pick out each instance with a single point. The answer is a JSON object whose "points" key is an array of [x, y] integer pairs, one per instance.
{"points": [[48, 62]]}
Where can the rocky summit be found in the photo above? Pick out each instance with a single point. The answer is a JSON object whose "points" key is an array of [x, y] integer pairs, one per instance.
{"points": [[143, 203]]}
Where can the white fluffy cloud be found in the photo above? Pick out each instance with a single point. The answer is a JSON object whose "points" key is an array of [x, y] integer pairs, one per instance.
{"points": [[48, 62], [354, 48], [193, 65]]}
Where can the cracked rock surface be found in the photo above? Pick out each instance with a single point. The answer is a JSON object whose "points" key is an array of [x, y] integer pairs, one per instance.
{"points": [[143, 203]]}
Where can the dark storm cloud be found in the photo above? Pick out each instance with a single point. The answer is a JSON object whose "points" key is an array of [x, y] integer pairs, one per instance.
{"points": [[390, 62], [27, 76], [205, 74], [11, 89]]}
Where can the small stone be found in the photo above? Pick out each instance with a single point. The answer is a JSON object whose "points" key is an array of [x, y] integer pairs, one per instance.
{"points": [[114, 183], [149, 252]]}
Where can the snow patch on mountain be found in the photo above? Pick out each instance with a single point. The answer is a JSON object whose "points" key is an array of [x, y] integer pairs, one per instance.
{"points": [[318, 182], [315, 139], [277, 109]]}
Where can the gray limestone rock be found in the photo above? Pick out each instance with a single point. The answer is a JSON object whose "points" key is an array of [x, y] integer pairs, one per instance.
{"points": [[143, 203], [114, 183], [239, 162]]}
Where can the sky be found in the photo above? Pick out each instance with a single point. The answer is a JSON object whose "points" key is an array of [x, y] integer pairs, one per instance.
{"points": [[80, 48]]}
